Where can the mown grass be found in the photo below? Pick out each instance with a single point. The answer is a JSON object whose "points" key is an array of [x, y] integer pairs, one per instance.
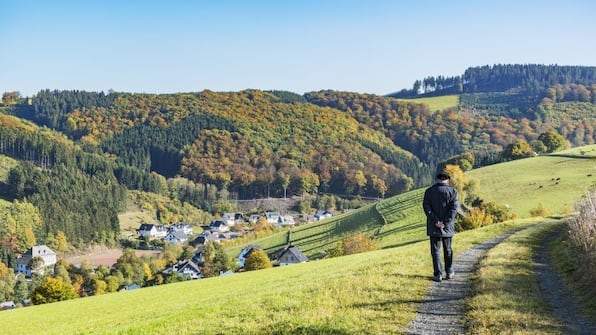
{"points": [[507, 298], [438, 103], [369, 293]]}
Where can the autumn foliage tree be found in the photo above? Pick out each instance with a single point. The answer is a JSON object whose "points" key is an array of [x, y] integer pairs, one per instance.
{"points": [[257, 260], [52, 290]]}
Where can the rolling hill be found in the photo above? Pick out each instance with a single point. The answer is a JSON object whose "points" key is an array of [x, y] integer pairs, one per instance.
{"points": [[346, 295], [399, 220]]}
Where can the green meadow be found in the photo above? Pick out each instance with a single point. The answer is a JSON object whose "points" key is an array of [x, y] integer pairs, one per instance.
{"points": [[555, 181], [437, 103], [370, 293]]}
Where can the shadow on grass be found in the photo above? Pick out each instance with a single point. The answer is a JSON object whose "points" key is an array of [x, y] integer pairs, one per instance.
{"points": [[404, 243]]}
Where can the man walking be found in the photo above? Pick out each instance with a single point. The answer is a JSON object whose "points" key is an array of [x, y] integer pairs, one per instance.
{"points": [[440, 206]]}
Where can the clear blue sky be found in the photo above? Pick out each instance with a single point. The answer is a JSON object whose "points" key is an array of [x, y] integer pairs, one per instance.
{"points": [[373, 46]]}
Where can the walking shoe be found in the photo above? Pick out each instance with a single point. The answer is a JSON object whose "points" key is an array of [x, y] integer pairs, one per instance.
{"points": [[450, 275], [437, 278]]}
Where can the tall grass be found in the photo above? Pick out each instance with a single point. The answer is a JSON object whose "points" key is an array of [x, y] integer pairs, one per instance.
{"points": [[582, 240]]}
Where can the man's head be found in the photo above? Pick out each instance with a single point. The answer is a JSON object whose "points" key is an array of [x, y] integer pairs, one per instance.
{"points": [[442, 176]]}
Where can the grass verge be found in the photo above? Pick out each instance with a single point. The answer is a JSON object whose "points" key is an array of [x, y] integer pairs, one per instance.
{"points": [[507, 298]]}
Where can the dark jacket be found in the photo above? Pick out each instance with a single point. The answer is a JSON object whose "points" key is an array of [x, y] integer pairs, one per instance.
{"points": [[440, 204]]}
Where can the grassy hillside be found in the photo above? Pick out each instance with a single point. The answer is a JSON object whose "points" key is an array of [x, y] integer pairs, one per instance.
{"points": [[399, 220], [437, 103], [317, 237], [555, 181], [368, 293], [395, 221], [356, 294]]}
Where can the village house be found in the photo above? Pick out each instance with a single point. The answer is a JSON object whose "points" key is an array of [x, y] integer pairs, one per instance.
{"points": [[286, 220], [152, 230], [320, 215], [7, 305], [23, 263], [203, 238], [273, 218], [181, 226], [232, 219], [185, 268], [176, 236], [291, 255], [207, 236], [254, 218], [219, 226]]}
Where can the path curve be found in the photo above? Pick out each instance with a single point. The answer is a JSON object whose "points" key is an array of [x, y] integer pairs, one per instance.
{"points": [[442, 310], [561, 299]]}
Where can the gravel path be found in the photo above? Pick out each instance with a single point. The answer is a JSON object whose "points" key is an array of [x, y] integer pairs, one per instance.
{"points": [[562, 301], [441, 311]]}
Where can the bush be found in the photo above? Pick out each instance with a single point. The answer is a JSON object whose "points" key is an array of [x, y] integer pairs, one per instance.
{"points": [[53, 290], [483, 214], [353, 244], [541, 210], [476, 218], [257, 260]]}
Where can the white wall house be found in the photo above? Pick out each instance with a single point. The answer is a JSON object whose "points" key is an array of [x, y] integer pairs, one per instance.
{"points": [[181, 226], [273, 218], [22, 264], [152, 230]]}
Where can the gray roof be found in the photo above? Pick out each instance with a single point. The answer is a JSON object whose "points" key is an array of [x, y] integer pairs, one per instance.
{"points": [[296, 252], [178, 234]]}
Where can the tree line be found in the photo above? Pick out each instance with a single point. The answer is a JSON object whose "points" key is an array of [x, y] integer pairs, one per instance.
{"points": [[533, 79]]}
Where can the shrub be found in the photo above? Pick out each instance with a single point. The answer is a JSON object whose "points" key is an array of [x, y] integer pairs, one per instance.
{"points": [[476, 218], [483, 214], [52, 290], [353, 244], [541, 210]]}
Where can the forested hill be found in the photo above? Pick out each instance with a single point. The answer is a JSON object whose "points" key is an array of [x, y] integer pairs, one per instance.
{"points": [[252, 143], [81, 151]]}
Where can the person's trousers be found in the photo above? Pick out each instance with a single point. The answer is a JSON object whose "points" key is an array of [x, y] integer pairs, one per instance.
{"points": [[435, 251]]}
